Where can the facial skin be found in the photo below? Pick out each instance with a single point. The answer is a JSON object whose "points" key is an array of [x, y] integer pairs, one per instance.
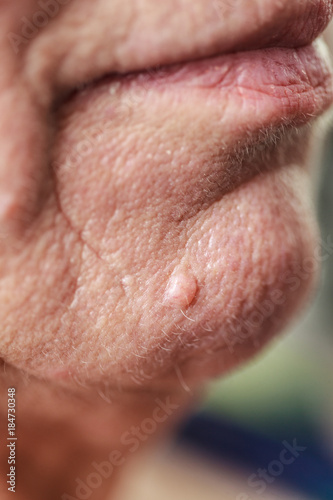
{"points": [[156, 224]]}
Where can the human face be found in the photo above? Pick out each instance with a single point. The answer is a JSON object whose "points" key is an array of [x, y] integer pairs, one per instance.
{"points": [[173, 232]]}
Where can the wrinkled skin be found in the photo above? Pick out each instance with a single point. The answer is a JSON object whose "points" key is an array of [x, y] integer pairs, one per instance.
{"points": [[112, 192]]}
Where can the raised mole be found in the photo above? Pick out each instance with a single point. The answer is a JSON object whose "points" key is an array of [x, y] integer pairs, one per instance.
{"points": [[181, 289]]}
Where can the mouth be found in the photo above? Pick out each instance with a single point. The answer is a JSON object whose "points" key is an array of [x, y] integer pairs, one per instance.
{"points": [[278, 74]]}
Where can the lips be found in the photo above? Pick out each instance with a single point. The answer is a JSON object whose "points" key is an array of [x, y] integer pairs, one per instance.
{"points": [[274, 73]]}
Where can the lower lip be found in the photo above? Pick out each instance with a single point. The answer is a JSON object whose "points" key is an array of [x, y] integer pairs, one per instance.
{"points": [[278, 84]]}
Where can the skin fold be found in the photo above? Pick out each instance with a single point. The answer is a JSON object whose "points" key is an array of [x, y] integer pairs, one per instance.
{"points": [[155, 232]]}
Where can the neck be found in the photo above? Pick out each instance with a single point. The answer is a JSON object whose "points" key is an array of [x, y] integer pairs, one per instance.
{"points": [[70, 445]]}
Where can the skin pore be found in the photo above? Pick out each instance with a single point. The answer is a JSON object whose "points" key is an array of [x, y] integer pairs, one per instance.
{"points": [[155, 216]]}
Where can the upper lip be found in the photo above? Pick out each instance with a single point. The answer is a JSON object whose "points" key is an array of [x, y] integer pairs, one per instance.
{"points": [[249, 25], [256, 25], [289, 24]]}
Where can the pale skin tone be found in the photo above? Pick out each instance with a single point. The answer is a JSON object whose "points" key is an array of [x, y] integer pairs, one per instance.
{"points": [[131, 248]]}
